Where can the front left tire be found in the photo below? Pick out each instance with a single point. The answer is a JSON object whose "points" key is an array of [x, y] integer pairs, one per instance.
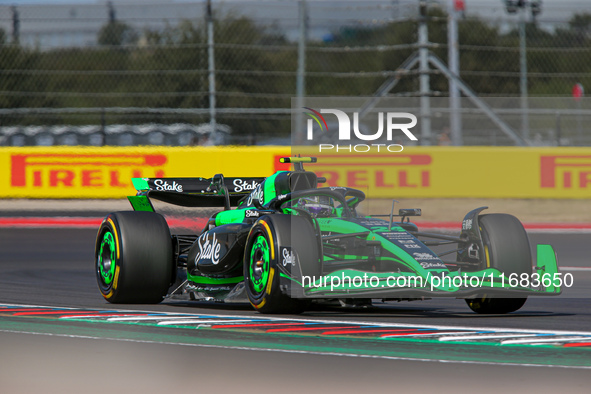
{"points": [[267, 237]]}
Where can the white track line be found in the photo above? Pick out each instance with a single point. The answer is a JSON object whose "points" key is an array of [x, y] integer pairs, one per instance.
{"points": [[546, 340], [375, 324], [432, 334], [334, 354], [485, 336], [145, 318], [574, 268], [200, 321], [93, 316]]}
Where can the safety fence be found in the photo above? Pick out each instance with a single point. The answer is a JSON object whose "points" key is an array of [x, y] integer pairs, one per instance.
{"points": [[89, 65]]}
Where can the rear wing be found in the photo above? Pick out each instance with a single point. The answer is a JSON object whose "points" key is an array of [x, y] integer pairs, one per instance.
{"points": [[193, 192], [242, 185]]}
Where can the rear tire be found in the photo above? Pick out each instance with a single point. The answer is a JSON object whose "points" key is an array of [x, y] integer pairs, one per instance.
{"points": [[268, 236], [507, 249], [134, 257]]}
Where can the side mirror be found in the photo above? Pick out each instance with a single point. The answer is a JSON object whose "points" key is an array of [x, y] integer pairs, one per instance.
{"points": [[409, 212]]}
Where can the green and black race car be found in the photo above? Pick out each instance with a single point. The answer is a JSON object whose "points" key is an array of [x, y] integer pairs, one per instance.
{"points": [[289, 243]]}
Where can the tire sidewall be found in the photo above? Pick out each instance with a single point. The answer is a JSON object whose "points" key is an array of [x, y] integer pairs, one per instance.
{"points": [[262, 228], [108, 290]]}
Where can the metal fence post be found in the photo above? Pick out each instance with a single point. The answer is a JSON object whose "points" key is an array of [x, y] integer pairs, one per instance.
{"points": [[211, 72], [455, 120], [523, 74], [16, 24], [424, 75], [301, 72]]}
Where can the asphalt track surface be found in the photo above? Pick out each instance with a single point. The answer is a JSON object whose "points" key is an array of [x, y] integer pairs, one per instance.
{"points": [[51, 268]]}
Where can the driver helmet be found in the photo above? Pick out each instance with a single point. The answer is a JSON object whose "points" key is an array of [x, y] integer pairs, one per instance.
{"points": [[317, 206]]}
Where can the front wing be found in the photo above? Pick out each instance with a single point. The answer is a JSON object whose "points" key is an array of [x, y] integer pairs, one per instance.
{"points": [[546, 280]]}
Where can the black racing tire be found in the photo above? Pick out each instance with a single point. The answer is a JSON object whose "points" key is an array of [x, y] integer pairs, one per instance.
{"points": [[267, 237], [134, 258], [486, 305], [506, 249]]}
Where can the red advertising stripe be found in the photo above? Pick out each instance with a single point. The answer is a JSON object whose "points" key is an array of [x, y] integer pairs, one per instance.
{"points": [[578, 344], [63, 313], [187, 223], [82, 222], [557, 226], [92, 314], [89, 222], [53, 222], [23, 309]]}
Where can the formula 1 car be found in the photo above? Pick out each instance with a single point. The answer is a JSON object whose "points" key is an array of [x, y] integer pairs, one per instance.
{"points": [[289, 243]]}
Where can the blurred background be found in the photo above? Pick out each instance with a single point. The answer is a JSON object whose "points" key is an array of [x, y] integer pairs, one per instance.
{"points": [[125, 73]]}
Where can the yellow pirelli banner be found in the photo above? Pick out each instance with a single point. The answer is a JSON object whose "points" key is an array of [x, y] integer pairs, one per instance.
{"points": [[80, 172], [439, 172]]}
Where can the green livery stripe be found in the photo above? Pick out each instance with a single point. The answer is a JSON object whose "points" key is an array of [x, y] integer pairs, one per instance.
{"points": [[140, 184], [269, 191], [140, 203], [281, 274], [228, 217], [214, 281], [548, 266]]}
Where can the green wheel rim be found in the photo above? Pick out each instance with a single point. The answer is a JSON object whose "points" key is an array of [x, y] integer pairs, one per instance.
{"points": [[260, 263], [106, 258]]}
